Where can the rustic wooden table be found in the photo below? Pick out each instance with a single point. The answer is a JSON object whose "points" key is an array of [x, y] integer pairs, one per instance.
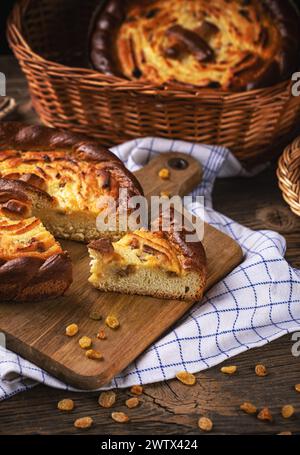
{"points": [[170, 407]]}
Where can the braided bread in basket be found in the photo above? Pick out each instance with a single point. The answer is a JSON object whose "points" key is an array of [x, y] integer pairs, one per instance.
{"points": [[233, 45]]}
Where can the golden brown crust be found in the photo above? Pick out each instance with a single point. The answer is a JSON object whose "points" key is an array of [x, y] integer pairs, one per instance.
{"points": [[43, 146], [32, 264], [231, 44], [31, 278], [21, 190], [171, 245]]}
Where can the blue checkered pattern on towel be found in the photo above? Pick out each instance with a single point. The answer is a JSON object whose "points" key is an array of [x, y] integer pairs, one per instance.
{"points": [[257, 303]]}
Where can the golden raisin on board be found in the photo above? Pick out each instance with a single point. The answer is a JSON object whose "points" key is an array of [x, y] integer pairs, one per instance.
{"points": [[297, 387], [186, 378], [261, 371], [205, 424], [66, 405], [107, 399], [164, 174], [120, 417], [166, 194], [83, 422], [95, 315], [248, 408], [101, 335], [137, 389], [229, 370], [94, 355], [265, 415], [287, 411], [85, 342], [72, 330], [132, 402], [112, 322]]}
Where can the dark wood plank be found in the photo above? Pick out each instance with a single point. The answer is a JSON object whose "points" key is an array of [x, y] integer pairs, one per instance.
{"points": [[170, 408], [258, 204]]}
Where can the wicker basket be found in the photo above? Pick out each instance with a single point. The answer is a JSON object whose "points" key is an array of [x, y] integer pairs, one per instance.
{"points": [[49, 38], [289, 175]]}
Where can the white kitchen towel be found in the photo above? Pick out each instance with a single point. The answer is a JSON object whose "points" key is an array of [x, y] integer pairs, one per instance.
{"points": [[255, 304]]}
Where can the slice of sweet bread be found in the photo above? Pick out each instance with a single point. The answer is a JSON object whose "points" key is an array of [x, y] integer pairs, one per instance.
{"points": [[160, 264]]}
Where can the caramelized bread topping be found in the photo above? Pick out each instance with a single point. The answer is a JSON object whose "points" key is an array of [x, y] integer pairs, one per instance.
{"points": [[73, 184], [159, 264], [72, 170], [167, 251], [25, 238]]}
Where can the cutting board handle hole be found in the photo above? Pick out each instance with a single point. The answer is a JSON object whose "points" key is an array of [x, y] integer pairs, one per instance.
{"points": [[180, 164]]}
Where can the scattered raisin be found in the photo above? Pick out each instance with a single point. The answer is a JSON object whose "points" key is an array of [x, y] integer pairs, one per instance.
{"points": [[287, 411], [248, 408], [260, 370], [107, 399], [72, 330], [265, 414], [95, 315], [101, 335], [85, 342], [112, 322], [229, 370], [83, 422], [132, 402], [137, 390], [205, 424], [166, 194], [94, 355], [164, 174], [120, 417], [66, 405]]}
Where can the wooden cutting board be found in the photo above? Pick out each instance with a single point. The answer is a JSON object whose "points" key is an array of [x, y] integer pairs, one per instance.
{"points": [[36, 331]]}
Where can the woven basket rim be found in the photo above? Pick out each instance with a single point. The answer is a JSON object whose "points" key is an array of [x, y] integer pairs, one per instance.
{"points": [[288, 177], [91, 76]]}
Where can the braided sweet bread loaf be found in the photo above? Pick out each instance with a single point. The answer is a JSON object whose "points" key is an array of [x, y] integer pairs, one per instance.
{"points": [[228, 44]]}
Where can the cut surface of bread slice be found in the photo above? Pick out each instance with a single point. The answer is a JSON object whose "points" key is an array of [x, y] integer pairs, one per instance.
{"points": [[159, 264], [32, 263], [65, 175]]}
